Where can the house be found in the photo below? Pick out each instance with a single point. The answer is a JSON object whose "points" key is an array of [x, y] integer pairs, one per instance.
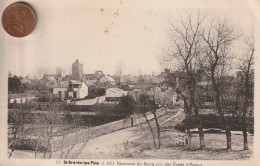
{"points": [[108, 79], [50, 79], [67, 77], [114, 94], [99, 78], [70, 89], [71, 86], [164, 94], [95, 76], [77, 89], [60, 89], [90, 82], [76, 84]]}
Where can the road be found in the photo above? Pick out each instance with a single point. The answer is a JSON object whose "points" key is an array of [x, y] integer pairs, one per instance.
{"points": [[112, 145]]}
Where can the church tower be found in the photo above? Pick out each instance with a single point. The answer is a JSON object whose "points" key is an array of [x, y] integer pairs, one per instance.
{"points": [[77, 70]]}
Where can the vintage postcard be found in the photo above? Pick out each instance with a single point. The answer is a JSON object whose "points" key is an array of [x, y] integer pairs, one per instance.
{"points": [[129, 82]]}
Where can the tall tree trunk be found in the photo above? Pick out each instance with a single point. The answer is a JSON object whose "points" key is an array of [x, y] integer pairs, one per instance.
{"points": [[188, 131], [228, 136], [245, 106], [222, 116], [158, 129], [187, 115], [187, 121], [245, 137], [245, 125], [219, 106], [201, 136], [196, 110], [151, 129], [13, 143]]}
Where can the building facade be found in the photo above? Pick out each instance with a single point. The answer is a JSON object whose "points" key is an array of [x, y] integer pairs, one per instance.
{"points": [[70, 89]]}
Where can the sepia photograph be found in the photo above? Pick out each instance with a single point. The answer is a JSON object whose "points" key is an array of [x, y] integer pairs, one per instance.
{"points": [[128, 80]]}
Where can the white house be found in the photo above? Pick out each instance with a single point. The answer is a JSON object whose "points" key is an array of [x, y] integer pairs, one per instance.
{"points": [[73, 88], [77, 89], [114, 94]]}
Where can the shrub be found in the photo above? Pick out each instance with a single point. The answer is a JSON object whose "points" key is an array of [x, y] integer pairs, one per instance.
{"points": [[29, 144]]}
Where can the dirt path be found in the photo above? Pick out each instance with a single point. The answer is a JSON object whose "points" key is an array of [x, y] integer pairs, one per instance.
{"points": [[112, 145]]}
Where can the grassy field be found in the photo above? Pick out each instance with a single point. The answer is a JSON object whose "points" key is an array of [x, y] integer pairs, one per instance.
{"points": [[215, 146]]}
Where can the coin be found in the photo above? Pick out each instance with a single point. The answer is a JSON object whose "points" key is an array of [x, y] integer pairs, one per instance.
{"points": [[19, 19]]}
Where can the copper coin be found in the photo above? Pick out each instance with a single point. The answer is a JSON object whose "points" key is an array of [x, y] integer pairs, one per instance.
{"points": [[19, 19]]}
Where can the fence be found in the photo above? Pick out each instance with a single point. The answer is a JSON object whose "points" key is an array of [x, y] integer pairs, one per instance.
{"points": [[72, 139]]}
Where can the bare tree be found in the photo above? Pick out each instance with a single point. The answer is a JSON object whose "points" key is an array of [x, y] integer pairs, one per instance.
{"points": [[18, 119], [53, 123], [185, 35], [119, 72], [149, 102], [79, 143], [246, 68], [34, 127], [158, 101], [48, 124], [143, 106], [219, 37]]}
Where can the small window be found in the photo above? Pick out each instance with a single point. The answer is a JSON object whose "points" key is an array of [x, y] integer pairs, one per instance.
{"points": [[60, 94]]}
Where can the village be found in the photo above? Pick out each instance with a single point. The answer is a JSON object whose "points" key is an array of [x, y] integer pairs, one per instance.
{"points": [[100, 101], [89, 89], [198, 106]]}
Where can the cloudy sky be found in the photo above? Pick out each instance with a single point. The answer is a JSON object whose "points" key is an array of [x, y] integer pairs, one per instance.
{"points": [[104, 33]]}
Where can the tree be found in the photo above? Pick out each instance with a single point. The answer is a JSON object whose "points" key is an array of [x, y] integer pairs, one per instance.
{"points": [[79, 141], [119, 73], [185, 36], [126, 105], [18, 117], [34, 129], [156, 101], [218, 38], [48, 123], [246, 68], [54, 123], [143, 106], [150, 102], [15, 84]]}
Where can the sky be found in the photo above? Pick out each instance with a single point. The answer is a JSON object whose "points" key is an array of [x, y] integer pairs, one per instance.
{"points": [[105, 33]]}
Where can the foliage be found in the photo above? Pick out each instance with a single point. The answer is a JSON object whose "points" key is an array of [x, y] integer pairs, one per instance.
{"points": [[127, 105], [15, 84], [17, 118], [95, 91], [213, 121], [48, 98], [145, 104]]}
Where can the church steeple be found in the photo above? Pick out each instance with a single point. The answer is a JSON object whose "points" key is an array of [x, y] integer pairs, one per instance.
{"points": [[77, 70]]}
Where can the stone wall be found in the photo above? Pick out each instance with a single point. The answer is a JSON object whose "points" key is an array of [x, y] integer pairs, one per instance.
{"points": [[96, 100], [84, 135]]}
